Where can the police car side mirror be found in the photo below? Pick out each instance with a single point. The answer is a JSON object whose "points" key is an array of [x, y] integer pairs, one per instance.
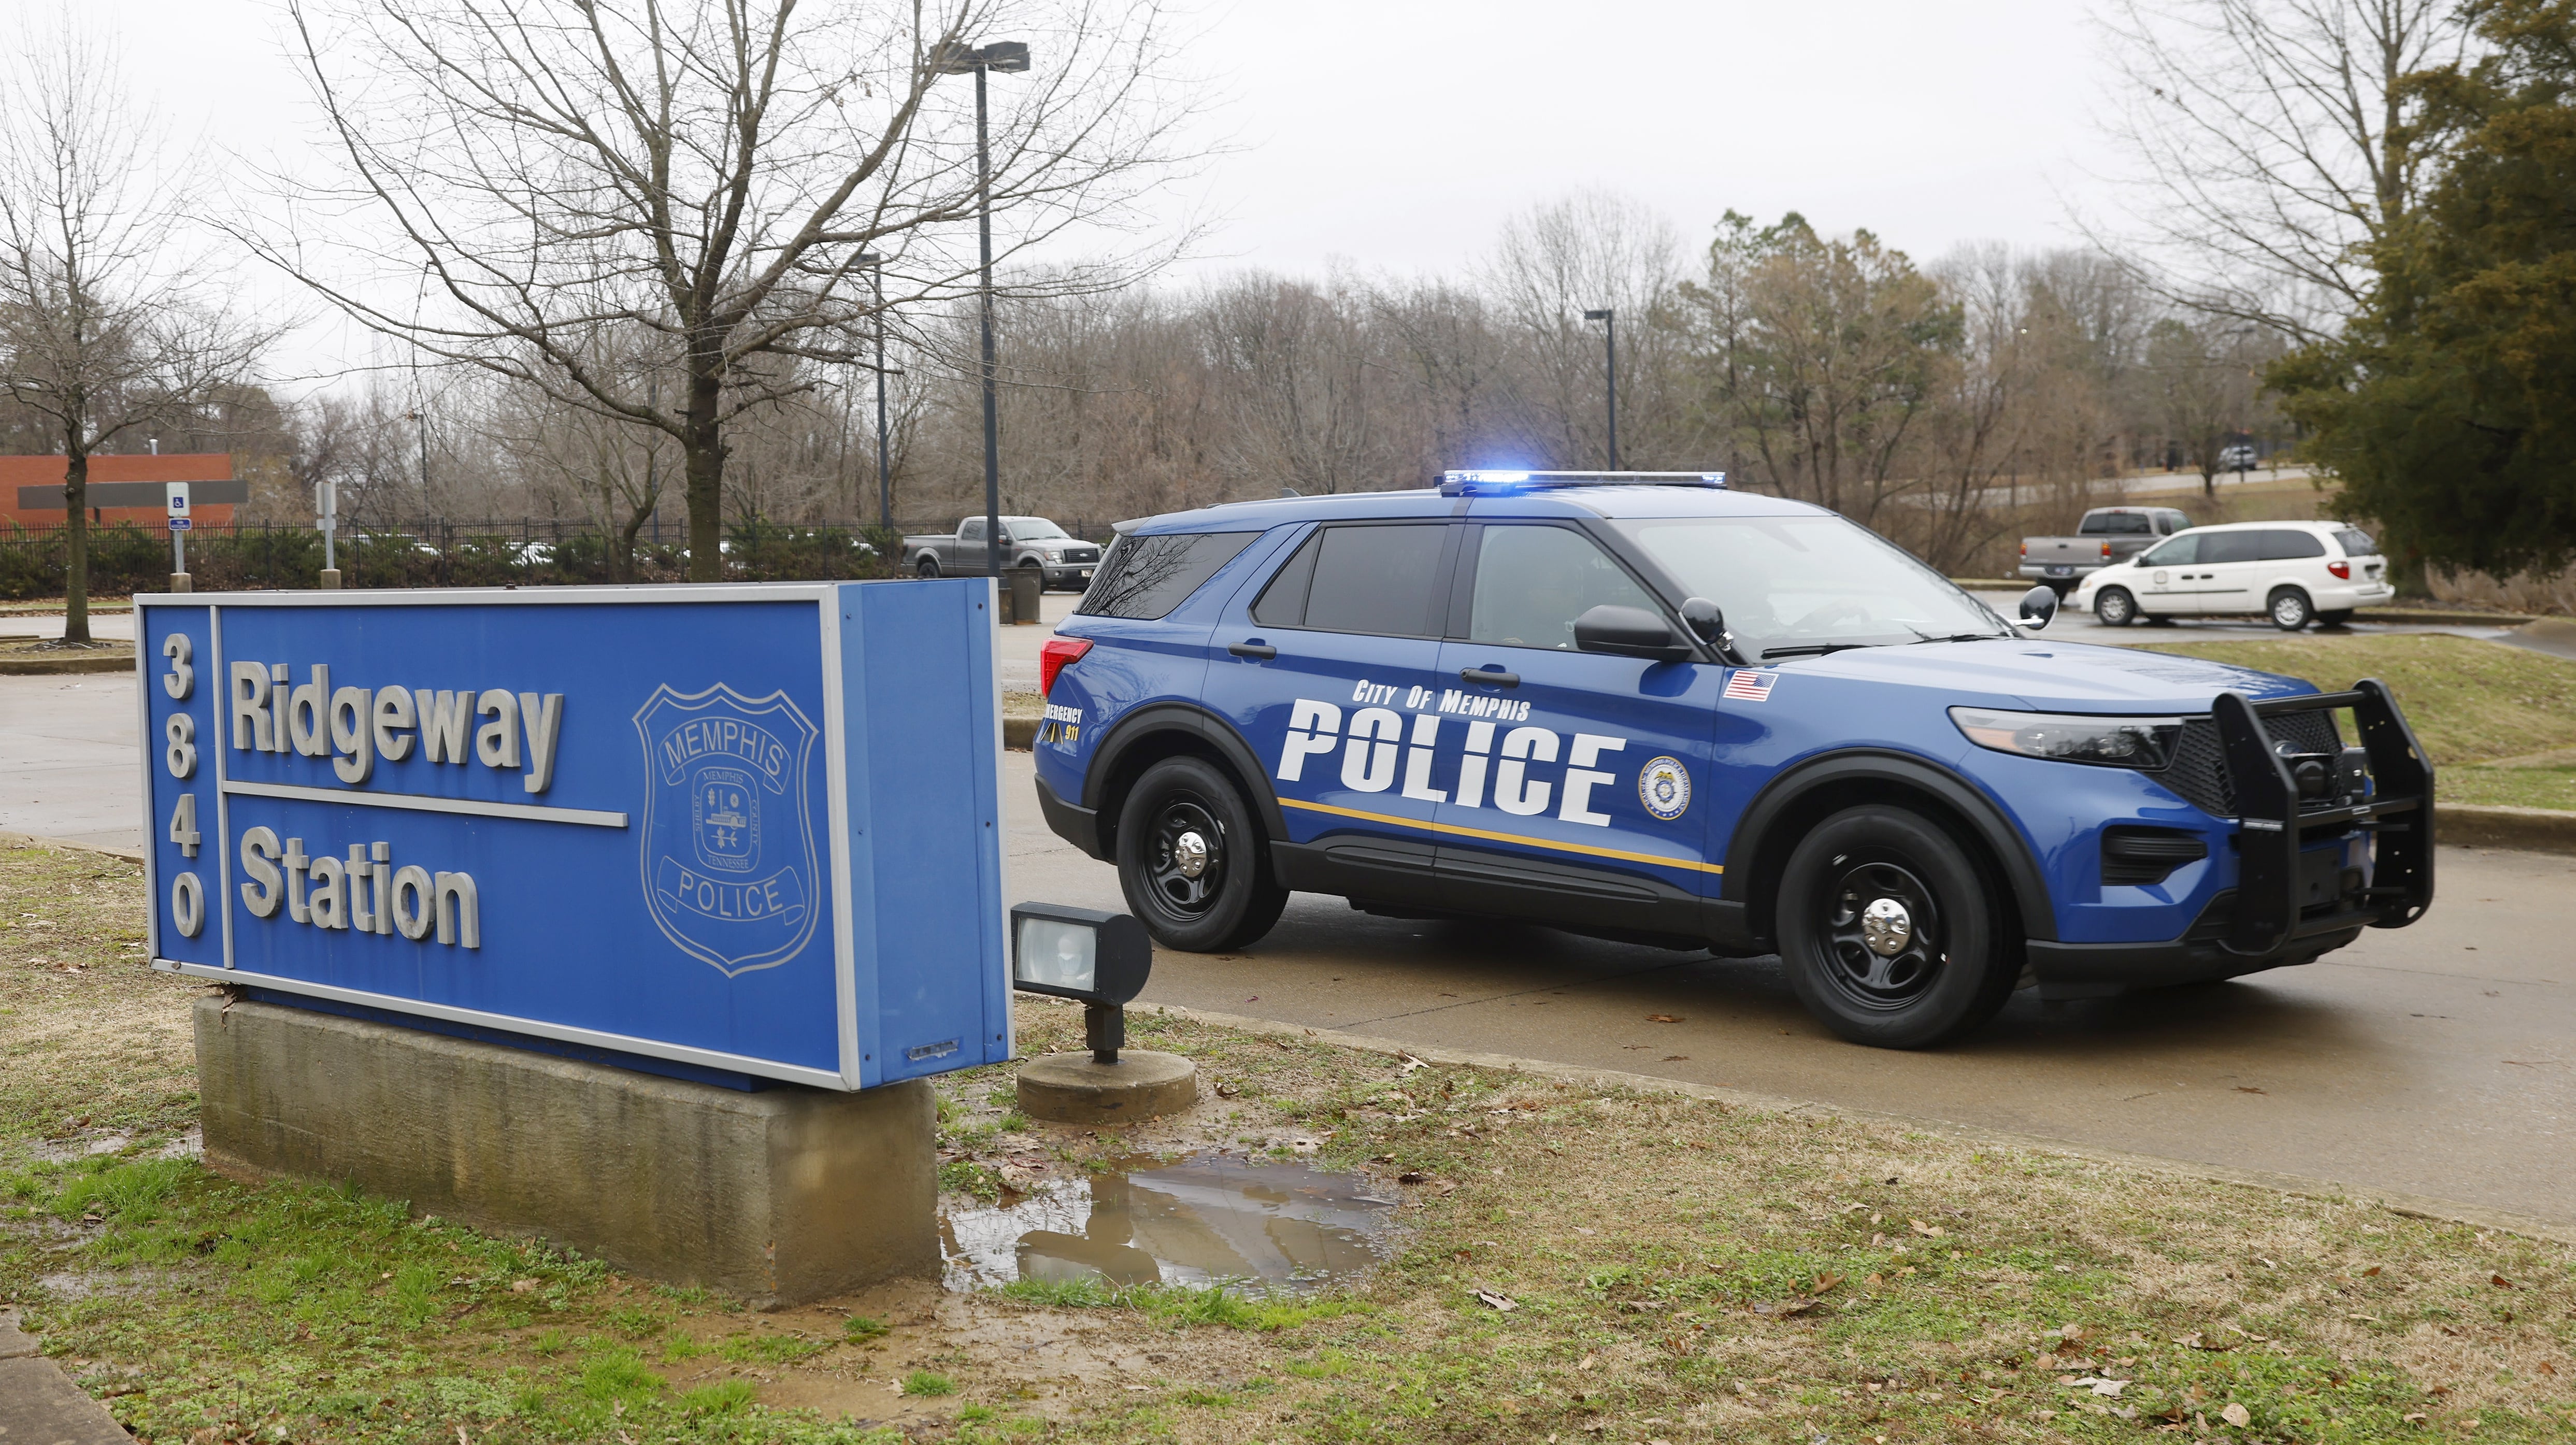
{"points": [[2038, 605], [1628, 632]]}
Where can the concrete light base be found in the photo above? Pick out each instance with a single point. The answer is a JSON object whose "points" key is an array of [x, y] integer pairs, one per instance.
{"points": [[331, 579], [182, 582], [1076, 1089], [778, 1197]]}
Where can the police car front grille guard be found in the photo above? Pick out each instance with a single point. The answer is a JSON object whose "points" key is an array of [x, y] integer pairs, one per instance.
{"points": [[2396, 812]]}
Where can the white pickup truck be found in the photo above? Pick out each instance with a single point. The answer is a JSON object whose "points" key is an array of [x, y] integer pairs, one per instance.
{"points": [[2106, 535], [1067, 560]]}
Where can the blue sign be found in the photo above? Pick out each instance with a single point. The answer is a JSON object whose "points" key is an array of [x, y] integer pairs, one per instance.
{"points": [[746, 829]]}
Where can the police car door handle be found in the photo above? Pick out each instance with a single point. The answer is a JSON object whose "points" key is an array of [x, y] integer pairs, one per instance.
{"points": [[1259, 650], [1490, 679]]}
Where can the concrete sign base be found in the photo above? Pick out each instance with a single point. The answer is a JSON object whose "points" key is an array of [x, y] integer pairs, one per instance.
{"points": [[779, 1197]]}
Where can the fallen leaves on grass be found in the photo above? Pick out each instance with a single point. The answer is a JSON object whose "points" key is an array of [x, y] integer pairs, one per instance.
{"points": [[2237, 1415], [1663, 1018], [1495, 1300]]}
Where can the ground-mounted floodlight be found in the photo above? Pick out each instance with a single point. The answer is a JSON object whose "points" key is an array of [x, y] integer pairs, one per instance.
{"points": [[1082, 953], [1101, 959]]}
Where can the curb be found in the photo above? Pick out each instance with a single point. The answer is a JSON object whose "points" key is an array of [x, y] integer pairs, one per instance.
{"points": [[61, 666], [1020, 732], [2301, 1186], [36, 840], [2489, 825]]}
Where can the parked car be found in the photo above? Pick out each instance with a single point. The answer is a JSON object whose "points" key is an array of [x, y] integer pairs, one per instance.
{"points": [[1655, 710], [2106, 535], [1026, 542], [2238, 458], [2293, 572]]}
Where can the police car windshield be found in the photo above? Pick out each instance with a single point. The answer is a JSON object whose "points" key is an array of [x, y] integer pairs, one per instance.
{"points": [[1793, 585]]}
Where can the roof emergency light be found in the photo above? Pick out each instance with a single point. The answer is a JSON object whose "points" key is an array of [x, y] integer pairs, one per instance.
{"points": [[1494, 484]]}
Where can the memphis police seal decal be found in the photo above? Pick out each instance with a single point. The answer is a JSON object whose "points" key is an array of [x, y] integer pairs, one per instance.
{"points": [[729, 871], [1663, 785]]}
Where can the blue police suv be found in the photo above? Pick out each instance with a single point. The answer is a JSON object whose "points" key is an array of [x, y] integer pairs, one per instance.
{"points": [[1648, 708]]}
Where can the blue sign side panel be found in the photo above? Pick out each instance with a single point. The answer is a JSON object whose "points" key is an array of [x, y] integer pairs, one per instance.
{"points": [[180, 757], [702, 921], [918, 666]]}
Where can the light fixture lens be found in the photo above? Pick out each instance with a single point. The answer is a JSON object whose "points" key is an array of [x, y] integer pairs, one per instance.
{"points": [[1057, 954]]}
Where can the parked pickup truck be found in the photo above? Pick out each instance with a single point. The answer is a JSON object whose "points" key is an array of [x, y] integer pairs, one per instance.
{"points": [[2106, 535], [1026, 542]]}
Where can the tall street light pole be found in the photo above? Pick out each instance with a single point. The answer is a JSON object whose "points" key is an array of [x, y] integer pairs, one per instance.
{"points": [[875, 265], [1009, 57], [1609, 317]]}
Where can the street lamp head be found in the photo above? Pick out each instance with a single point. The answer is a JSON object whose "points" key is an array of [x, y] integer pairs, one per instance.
{"points": [[1603, 314], [954, 58], [867, 259]]}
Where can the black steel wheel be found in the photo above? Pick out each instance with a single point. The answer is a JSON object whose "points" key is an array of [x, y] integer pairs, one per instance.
{"points": [[2114, 607], [1191, 859], [1890, 931]]}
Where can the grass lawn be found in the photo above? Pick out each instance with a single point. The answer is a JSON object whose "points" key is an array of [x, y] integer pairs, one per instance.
{"points": [[2499, 721], [1571, 1263]]}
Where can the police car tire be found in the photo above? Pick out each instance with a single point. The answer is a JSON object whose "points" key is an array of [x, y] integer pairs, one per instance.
{"points": [[1979, 953], [1246, 900], [2114, 607]]}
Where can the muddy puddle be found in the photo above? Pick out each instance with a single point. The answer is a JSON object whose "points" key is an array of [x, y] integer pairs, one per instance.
{"points": [[1204, 1220]]}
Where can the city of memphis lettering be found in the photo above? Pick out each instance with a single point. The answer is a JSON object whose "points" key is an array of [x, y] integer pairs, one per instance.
{"points": [[1376, 750], [354, 726], [729, 871]]}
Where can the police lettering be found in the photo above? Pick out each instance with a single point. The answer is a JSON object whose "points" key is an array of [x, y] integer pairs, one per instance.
{"points": [[1379, 749]]}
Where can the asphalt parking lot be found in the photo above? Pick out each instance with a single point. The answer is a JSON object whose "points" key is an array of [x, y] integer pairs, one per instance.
{"points": [[2433, 1061]]}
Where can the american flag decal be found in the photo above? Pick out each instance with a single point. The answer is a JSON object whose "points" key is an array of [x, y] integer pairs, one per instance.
{"points": [[1746, 685]]}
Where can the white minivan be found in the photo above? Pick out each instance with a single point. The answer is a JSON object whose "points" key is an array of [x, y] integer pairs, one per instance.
{"points": [[2291, 572]]}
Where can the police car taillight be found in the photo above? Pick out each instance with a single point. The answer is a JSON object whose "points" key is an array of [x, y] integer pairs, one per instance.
{"points": [[1055, 656]]}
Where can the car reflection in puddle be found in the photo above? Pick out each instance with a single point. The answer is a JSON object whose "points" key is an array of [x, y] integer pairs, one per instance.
{"points": [[1202, 1220]]}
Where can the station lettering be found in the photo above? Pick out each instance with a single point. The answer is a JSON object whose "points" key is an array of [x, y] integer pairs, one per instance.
{"points": [[362, 893]]}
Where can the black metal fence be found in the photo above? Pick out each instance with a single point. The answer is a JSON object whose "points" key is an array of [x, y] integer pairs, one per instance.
{"points": [[126, 558]]}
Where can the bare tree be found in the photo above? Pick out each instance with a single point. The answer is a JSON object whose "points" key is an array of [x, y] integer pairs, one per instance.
{"points": [[2269, 142], [108, 323], [710, 172]]}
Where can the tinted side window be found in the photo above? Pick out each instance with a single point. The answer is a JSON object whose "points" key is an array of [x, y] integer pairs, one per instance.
{"points": [[1532, 582], [2127, 524], [1382, 580], [971, 529], [2357, 543], [1283, 602], [2093, 526], [2182, 551], [2285, 546], [2218, 547], [1146, 577]]}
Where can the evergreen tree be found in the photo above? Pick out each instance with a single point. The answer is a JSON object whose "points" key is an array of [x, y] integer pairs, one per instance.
{"points": [[2448, 408]]}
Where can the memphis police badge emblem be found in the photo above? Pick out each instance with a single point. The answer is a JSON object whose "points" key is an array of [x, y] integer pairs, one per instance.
{"points": [[1663, 785], [729, 872]]}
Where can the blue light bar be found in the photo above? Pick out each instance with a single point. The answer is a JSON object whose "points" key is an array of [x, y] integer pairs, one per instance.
{"points": [[1500, 484]]}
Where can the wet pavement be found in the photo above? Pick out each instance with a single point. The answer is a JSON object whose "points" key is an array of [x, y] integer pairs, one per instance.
{"points": [[1208, 1219]]}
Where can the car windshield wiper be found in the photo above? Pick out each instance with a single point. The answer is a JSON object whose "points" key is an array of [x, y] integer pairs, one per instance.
{"points": [[1813, 649], [1958, 637]]}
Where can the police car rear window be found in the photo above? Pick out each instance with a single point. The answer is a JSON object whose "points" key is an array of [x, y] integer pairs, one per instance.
{"points": [[1146, 577]]}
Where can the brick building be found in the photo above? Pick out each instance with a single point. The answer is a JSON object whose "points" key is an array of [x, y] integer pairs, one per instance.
{"points": [[121, 489]]}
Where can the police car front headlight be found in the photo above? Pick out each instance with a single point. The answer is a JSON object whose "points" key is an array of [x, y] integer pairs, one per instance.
{"points": [[2117, 742]]}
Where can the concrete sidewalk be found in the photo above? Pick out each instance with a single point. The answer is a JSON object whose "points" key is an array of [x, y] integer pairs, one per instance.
{"points": [[38, 1405]]}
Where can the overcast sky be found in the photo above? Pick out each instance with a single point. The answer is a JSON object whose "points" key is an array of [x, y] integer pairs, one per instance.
{"points": [[1392, 135]]}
